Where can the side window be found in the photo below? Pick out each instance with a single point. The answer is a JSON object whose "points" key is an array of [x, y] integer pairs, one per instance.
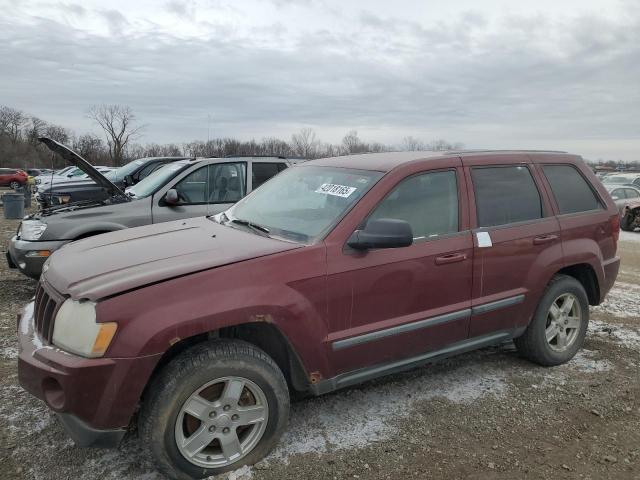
{"points": [[429, 202], [572, 192], [505, 195], [194, 188], [631, 193], [262, 172], [227, 182]]}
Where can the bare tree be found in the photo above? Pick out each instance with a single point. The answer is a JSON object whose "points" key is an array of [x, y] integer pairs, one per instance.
{"points": [[351, 143], [57, 133], [412, 144], [35, 130], [305, 143], [90, 146], [118, 123], [11, 122], [442, 145]]}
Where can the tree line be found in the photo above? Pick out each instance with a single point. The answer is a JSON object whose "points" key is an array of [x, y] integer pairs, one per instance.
{"points": [[19, 146]]}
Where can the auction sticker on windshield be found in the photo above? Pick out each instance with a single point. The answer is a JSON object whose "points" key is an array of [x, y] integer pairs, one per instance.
{"points": [[337, 190]]}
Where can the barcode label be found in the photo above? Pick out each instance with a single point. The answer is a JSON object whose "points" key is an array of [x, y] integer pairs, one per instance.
{"points": [[337, 190]]}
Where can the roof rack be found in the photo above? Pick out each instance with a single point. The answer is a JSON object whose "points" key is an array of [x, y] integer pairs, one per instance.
{"points": [[256, 156]]}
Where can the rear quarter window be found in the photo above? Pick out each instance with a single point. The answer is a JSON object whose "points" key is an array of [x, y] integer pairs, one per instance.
{"points": [[572, 192]]}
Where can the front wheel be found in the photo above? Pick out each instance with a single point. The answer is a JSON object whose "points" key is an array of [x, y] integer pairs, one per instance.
{"points": [[15, 185], [626, 222], [559, 324], [215, 407]]}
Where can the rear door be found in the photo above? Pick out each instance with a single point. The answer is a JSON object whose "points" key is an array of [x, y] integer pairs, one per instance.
{"points": [[516, 241]]}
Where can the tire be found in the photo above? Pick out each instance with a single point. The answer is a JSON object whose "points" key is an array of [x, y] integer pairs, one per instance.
{"points": [[15, 185], [164, 420], [534, 345], [626, 222]]}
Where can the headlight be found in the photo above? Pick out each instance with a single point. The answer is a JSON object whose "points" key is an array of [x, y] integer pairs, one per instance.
{"points": [[32, 229], [76, 330]]}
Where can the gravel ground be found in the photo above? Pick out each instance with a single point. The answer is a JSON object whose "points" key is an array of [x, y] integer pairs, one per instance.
{"points": [[487, 414]]}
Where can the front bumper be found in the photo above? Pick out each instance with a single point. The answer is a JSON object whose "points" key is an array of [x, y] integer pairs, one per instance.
{"points": [[94, 398], [23, 254]]}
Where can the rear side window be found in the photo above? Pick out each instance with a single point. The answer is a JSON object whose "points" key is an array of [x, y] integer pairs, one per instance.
{"points": [[262, 172], [631, 193], [572, 192], [429, 202], [505, 195]]}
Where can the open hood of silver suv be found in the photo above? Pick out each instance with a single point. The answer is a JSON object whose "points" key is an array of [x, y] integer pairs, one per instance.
{"points": [[75, 159]]}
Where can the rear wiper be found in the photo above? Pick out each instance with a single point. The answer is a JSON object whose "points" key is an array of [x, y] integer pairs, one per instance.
{"points": [[252, 225]]}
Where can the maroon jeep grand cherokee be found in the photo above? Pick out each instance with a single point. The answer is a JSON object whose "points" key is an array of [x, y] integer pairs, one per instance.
{"points": [[334, 272]]}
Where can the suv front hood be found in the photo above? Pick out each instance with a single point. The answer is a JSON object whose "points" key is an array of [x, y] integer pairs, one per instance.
{"points": [[111, 263], [75, 159]]}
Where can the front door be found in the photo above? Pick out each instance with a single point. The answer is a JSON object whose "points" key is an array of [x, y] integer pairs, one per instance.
{"points": [[397, 303]]}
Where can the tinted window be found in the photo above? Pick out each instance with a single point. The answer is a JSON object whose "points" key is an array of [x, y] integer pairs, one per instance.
{"points": [[227, 182], [148, 169], [505, 195], [618, 193], [429, 202], [572, 192], [263, 172], [631, 193]]}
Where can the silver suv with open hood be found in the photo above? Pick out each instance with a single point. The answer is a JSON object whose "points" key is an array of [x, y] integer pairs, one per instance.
{"points": [[182, 189]]}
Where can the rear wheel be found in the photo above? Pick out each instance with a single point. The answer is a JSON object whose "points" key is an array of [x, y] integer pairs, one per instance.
{"points": [[559, 324], [14, 185], [216, 407]]}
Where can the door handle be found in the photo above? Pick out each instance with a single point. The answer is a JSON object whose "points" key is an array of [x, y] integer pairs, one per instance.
{"points": [[544, 239], [450, 258]]}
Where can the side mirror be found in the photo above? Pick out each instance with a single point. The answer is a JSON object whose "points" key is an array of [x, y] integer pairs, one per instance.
{"points": [[171, 197], [128, 180], [382, 233]]}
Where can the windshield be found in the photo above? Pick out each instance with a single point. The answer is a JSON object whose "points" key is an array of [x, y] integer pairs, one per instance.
{"points": [[303, 203], [148, 185]]}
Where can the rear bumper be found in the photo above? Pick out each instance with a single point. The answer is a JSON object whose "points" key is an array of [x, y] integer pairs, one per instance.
{"points": [[94, 398], [23, 254]]}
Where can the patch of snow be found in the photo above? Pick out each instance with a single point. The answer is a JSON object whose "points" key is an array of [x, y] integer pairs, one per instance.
{"points": [[243, 473], [623, 300], [584, 362], [9, 352], [627, 336], [21, 412], [629, 236], [358, 417]]}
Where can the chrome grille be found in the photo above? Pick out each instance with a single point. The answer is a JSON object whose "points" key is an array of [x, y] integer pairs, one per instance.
{"points": [[46, 306]]}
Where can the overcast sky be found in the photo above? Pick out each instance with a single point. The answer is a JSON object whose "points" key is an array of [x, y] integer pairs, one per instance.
{"points": [[488, 73]]}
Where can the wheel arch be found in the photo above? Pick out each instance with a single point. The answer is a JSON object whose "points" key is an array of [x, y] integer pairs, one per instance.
{"points": [[586, 275], [266, 336]]}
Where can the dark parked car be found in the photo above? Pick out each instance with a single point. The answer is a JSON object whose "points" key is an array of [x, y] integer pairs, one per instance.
{"points": [[86, 189], [334, 272], [179, 189], [13, 177]]}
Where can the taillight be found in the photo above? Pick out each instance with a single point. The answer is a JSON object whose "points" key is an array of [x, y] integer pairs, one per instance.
{"points": [[615, 227]]}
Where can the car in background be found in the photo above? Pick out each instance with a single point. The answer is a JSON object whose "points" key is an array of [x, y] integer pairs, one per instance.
{"points": [[622, 195], [181, 189], [86, 189], [13, 177], [622, 179]]}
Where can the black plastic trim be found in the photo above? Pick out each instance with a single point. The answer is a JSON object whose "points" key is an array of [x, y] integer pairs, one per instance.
{"points": [[85, 436], [491, 306], [404, 328], [368, 373]]}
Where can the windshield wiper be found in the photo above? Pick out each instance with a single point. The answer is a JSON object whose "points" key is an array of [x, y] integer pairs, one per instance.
{"points": [[252, 225]]}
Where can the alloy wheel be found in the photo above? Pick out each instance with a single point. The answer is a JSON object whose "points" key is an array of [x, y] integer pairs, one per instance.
{"points": [[221, 422], [563, 322]]}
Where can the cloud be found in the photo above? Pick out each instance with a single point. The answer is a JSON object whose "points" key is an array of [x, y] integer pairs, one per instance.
{"points": [[502, 81]]}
